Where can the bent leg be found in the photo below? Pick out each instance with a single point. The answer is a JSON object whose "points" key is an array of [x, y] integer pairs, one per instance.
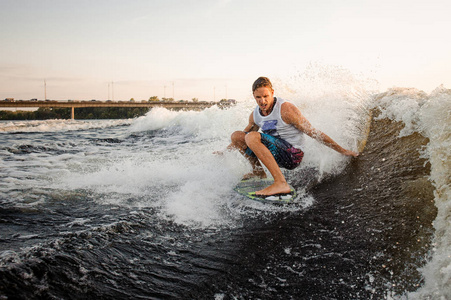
{"points": [[239, 143], [280, 185]]}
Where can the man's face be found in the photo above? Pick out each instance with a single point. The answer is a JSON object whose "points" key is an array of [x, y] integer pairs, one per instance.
{"points": [[265, 99]]}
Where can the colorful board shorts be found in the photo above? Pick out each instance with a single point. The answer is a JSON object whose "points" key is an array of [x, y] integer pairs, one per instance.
{"points": [[286, 155]]}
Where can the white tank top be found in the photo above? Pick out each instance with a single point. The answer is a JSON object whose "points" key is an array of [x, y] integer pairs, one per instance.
{"points": [[273, 124]]}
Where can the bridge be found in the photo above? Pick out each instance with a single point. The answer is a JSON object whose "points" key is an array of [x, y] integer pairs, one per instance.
{"points": [[95, 103]]}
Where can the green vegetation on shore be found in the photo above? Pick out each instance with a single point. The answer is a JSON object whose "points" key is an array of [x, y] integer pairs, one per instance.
{"points": [[82, 113]]}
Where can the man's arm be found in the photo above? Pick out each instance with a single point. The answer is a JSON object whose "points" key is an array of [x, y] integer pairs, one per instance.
{"points": [[292, 115], [251, 126]]}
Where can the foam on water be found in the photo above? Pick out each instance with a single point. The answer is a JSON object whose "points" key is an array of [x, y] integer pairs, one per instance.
{"points": [[58, 125], [430, 115], [179, 173], [211, 123]]}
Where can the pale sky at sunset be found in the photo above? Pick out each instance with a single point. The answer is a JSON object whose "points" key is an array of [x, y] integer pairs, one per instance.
{"points": [[214, 48]]}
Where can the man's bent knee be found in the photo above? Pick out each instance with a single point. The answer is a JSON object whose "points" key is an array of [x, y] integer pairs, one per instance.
{"points": [[252, 137], [238, 140], [237, 136]]}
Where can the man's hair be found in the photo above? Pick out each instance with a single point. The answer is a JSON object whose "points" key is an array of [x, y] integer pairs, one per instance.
{"points": [[261, 82]]}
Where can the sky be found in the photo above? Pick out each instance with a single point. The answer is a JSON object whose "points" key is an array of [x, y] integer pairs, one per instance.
{"points": [[214, 49]]}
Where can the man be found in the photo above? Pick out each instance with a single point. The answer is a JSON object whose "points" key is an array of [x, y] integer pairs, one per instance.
{"points": [[280, 143]]}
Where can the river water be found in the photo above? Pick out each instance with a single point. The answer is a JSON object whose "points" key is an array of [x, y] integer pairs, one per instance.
{"points": [[142, 209]]}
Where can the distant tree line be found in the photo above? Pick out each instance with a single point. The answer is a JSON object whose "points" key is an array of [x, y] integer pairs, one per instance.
{"points": [[45, 113]]}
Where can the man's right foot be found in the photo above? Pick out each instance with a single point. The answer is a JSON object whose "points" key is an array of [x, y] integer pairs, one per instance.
{"points": [[259, 175]]}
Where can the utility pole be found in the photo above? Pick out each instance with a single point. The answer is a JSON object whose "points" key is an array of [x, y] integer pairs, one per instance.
{"points": [[45, 90], [173, 96], [214, 94], [108, 91], [112, 89]]}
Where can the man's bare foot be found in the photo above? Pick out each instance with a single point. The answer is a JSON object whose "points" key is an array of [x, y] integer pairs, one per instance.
{"points": [[275, 188], [255, 174]]}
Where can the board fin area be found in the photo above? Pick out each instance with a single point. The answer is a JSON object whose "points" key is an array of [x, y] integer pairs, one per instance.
{"points": [[276, 199], [248, 188]]}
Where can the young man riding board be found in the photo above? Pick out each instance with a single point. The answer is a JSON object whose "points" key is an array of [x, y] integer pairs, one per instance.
{"points": [[279, 145]]}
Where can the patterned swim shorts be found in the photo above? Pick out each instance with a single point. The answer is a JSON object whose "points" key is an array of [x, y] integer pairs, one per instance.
{"points": [[286, 155]]}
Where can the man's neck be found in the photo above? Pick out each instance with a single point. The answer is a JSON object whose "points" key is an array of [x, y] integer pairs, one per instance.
{"points": [[269, 111]]}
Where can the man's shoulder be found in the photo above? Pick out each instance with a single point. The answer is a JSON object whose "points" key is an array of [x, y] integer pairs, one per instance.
{"points": [[289, 112], [287, 105]]}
